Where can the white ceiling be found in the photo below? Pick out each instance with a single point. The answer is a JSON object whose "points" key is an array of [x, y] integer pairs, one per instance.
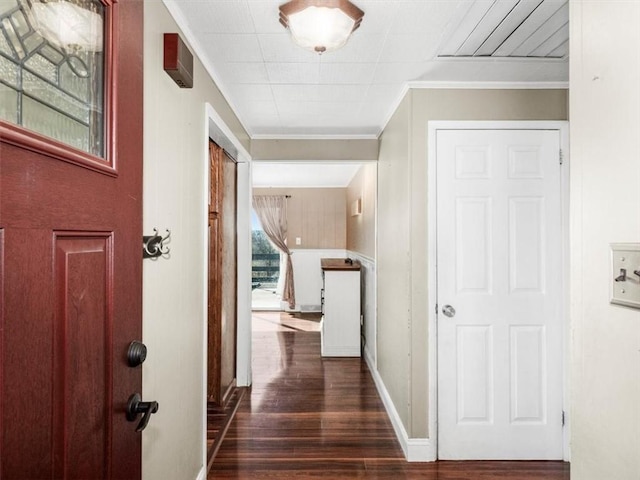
{"points": [[302, 175], [277, 89]]}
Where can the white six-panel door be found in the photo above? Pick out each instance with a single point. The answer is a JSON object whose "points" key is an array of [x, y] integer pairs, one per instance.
{"points": [[499, 256]]}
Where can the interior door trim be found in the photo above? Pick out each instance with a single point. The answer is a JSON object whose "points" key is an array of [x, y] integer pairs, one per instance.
{"points": [[216, 127], [432, 130]]}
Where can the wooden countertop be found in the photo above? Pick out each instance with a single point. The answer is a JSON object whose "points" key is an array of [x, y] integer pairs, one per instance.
{"points": [[338, 264]]}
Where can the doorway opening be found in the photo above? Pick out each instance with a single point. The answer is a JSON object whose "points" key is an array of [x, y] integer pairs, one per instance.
{"points": [[266, 291], [222, 319], [315, 222], [226, 212]]}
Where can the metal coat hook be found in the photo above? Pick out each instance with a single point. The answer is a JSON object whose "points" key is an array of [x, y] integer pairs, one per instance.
{"points": [[153, 245]]}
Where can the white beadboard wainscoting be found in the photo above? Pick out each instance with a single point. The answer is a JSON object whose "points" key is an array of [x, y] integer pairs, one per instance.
{"points": [[307, 276], [368, 302]]}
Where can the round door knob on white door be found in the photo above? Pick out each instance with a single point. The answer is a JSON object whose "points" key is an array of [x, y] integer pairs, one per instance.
{"points": [[449, 311]]}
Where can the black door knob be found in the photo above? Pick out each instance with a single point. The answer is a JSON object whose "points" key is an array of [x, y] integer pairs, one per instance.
{"points": [[135, 407], [136, 354]]}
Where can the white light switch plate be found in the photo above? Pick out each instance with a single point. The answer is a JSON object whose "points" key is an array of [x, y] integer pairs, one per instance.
{"points": [[625, 256]]}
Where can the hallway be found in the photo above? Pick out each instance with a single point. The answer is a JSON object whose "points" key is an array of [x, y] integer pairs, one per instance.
{"points": [[309, 417]]}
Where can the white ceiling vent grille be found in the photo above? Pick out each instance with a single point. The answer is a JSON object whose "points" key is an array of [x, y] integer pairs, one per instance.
{"points": [[510, 28]]}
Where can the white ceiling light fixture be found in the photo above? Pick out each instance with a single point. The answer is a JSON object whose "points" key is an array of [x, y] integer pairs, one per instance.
{"points": [[320, 25]]}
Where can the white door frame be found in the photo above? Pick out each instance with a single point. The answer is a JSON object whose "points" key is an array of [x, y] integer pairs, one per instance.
{"points": [[214, 123], [432, 129]]}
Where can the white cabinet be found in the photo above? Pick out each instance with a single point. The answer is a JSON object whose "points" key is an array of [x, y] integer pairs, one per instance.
{"points": [[341, 308]]}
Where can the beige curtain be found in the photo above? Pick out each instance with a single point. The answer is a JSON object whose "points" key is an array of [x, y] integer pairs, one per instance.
{"points": [[272, 213]]}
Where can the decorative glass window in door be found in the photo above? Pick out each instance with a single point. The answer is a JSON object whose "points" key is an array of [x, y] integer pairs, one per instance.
{"points": [[52, 70]]}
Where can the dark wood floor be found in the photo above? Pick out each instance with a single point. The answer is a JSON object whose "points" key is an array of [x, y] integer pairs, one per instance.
{"points": [[309, 417], [218, 421]]}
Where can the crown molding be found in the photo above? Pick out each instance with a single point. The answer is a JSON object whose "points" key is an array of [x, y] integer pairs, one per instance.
{"points": [[469, 85], [369, 136], [489, 85], [394, 107], [489, 59], [314, 162]]}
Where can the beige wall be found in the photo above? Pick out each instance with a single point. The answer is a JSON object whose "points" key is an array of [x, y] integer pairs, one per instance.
{"points": [[319, 150], [402, 226], [361, 229], [605, 208], [173, 293], [316, 215], [392, 260]]}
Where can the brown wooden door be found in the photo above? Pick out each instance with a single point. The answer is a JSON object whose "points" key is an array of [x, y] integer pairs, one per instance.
{"points": [[70, 284], [222, 275]]}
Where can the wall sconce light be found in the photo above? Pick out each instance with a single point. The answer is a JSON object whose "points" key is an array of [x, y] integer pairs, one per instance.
{"points": [[320, 25], [69, 26], [356, 207]]}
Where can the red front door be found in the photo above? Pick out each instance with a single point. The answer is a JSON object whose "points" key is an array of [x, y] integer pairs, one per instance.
{"points": [[70, 284]]}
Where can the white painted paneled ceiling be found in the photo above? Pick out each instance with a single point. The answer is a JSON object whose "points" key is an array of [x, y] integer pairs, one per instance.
{"points": [[278, 90]]}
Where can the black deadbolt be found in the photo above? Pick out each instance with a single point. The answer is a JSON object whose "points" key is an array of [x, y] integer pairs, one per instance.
{"points": [[136, 354]]}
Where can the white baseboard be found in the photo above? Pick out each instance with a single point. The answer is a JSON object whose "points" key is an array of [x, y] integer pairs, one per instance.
{"points": [[368, 356], [415, 449], [421, 450], [309, 308], [202, 474], [341, 351]]}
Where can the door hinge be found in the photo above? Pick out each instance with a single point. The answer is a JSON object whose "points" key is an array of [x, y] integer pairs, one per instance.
{"points": [[436, 309], [561, 157], [563, 420]]}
